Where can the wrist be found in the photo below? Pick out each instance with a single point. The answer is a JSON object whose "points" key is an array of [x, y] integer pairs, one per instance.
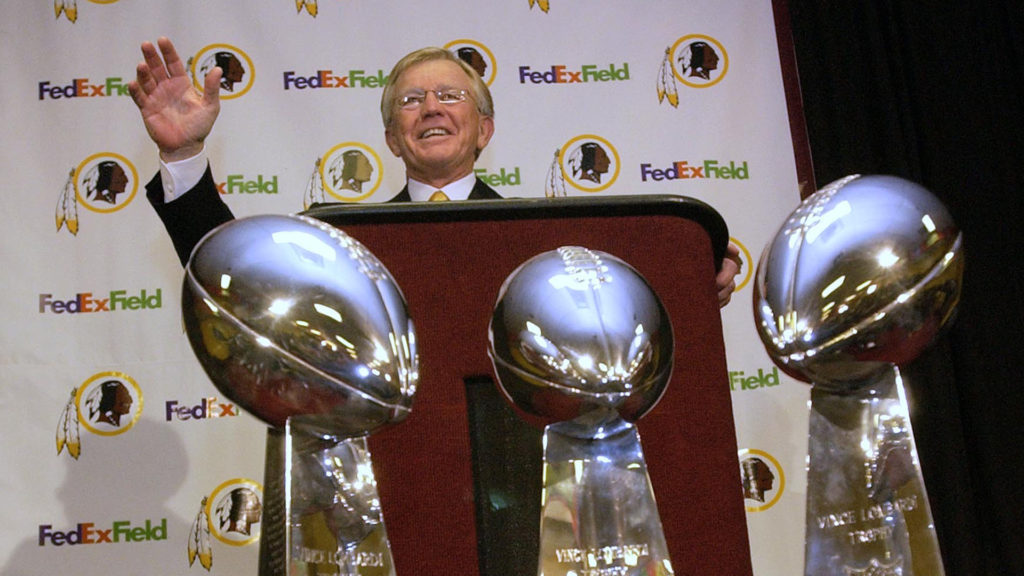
{"points": [[182, 153]]}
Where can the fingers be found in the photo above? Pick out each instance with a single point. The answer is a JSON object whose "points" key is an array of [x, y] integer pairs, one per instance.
{"points": [[724, 297], [159, 65], [725, 280], [142, 86], [211, 86], [154, 63], [732, 252], [144, 78], [135, 91], [731, 265], [726, 286], [175, 67]]}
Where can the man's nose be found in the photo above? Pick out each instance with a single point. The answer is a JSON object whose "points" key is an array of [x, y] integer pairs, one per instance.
{"points": [[430, 103]]}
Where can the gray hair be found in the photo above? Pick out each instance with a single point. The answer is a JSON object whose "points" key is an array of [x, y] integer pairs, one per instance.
{"points": [[477, 87]]}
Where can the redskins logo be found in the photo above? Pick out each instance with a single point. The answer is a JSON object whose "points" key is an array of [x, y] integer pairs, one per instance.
{"points": [[237, 68], [232, 514], [107, 404], [696, 60], [349, 172], [588, 163], [478, 56], [102, 183], [763, 479]]}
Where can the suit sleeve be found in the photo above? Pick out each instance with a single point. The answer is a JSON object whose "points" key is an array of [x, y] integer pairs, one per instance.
{"points": [[189, 217]]}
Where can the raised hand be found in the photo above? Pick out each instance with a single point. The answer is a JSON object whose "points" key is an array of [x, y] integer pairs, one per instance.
{"points": [[177, 116]]}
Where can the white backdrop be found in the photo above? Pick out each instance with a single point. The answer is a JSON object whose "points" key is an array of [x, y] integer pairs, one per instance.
{"points": [[92, 283]]}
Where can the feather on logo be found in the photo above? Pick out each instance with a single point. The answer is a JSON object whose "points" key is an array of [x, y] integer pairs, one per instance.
{"points": [[542, 4], [310, 6]]}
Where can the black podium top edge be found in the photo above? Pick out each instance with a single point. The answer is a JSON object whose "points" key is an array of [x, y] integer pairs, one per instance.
{"points": [[339, 214]]}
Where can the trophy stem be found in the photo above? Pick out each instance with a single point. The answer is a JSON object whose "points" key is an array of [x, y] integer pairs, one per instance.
{"points": [[598, 515], [867, 509], [334, 522]]}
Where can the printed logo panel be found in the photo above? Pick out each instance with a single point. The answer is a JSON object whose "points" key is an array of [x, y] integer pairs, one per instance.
{"points": [[763, 479], [478, 56], [348, 171], [103, 183], [588, 163], [695, 61], [106, 404], [236, 66], [232, 514]]}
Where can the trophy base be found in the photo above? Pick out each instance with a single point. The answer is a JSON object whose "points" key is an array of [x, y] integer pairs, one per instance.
{"points": [[867, 509], [598, 517], [334, 524]]}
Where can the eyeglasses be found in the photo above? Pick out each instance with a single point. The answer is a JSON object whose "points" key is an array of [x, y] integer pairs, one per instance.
{"points": [[449, 96]]}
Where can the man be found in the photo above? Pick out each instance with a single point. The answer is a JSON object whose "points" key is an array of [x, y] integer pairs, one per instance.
{"points": [[437, 111]]}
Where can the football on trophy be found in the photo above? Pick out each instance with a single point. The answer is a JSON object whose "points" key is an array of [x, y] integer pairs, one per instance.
{"points": [[862, 275], [293, 319], [575, 330]]}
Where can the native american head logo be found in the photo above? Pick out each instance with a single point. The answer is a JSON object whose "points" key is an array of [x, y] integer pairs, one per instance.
{"points": [[231, 514], [763, 479], [102, 183], [696, 61], [349, 172], [237, 69], [106, 404], [478, 56], [588, 163]]}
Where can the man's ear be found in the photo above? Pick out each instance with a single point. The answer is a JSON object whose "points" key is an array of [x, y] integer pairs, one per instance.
{"points": [[392, 142], [486, 131]]}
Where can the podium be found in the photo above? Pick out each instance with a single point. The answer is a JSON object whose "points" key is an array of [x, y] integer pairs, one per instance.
{"points": [[460, 479]]}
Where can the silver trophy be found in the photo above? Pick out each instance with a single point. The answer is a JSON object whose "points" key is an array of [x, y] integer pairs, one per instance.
{"points": [[304, 328], [858, 281], [579, 339]]}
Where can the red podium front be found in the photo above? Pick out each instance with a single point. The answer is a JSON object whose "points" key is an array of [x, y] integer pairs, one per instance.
{"points": [[459, 479]]}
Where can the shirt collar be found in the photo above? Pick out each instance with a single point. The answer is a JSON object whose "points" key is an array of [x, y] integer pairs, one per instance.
{"points": [[458, 190]]}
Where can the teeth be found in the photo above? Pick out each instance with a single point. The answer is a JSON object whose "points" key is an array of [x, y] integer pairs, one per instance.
{"points": [[434, 132]]}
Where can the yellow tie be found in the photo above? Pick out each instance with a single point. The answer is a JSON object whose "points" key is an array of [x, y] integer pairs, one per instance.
{"points": [[438, 197]]}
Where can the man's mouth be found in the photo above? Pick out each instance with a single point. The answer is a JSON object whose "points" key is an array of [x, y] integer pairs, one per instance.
{"points": [[434, 132]]}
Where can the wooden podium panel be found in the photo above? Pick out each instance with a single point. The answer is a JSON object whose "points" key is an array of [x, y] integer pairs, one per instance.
{"points": [[447, 474]]}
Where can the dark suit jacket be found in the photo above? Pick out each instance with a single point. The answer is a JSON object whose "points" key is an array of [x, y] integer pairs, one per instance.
{"points": [[201, 209]]}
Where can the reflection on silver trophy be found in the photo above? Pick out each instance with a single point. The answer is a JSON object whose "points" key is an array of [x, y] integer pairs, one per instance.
{"points": [[579, 339], [859, 280], [304, 328]]}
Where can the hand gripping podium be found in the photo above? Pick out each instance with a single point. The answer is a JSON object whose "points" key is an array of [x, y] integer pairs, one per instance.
{"points": [[460, 479]]}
